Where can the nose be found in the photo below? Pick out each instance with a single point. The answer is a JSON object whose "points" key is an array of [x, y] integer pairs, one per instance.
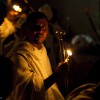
{"points": [[39, 29]]}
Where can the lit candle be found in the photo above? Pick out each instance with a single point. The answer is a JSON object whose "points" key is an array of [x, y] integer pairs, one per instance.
{"points": [[17, 8], [69, 52]]}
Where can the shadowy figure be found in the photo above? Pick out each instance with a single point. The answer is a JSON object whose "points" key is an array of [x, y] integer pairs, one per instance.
{"points": [[6, 77], [6, 65], [87, 91]]}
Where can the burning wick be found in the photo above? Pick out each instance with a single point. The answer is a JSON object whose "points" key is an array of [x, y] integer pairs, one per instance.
{"points": [[17, 8], [69, 54]]}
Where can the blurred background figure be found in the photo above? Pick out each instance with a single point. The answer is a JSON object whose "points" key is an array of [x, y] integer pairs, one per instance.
{"points": [[3, 14], [82, 43], [6, 77], [88, 91], [16, 15], [7, 26], [6, 65]]}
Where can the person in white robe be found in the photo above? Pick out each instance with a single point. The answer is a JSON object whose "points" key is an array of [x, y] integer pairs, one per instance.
{"points": [[34, 79]]}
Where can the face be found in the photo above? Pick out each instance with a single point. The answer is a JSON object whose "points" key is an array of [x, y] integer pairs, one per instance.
{"points": [[38, 31]]}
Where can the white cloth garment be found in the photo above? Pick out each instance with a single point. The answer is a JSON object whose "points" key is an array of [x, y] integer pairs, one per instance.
{"points": [[33, 67], [7, 28]]}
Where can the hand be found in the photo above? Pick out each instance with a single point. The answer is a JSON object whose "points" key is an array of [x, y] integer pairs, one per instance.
{"points": [[62, 69], [59, 73]]}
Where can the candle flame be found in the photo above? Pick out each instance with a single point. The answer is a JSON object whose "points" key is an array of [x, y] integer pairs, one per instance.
{"points": [[17, 8], [69, 52]]}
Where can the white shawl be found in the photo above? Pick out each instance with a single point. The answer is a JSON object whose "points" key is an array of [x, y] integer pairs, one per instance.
{"points": [[33, 67]]}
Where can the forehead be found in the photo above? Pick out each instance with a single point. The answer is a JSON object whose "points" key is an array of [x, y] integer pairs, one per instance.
{"points": [[39, 21], [42, 21]]}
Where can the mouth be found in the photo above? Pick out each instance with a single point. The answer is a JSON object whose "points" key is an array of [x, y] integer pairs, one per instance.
{"points": [[38, 36]]}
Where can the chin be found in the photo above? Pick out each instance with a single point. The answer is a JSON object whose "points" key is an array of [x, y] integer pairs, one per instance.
{"points": [[40, 40]]}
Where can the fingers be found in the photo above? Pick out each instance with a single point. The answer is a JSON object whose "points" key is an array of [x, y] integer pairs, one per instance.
{"points": [[62, 69]]}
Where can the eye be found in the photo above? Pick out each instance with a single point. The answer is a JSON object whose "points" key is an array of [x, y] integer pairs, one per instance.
{"points": [[44, 27]]}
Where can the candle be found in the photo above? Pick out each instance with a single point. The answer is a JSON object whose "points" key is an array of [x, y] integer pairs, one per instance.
{"points": [[69, 53], [17, 8]]}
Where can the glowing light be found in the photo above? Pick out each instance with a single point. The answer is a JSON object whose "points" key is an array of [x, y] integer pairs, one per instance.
{"points": [[69, 52], [17, 8]]}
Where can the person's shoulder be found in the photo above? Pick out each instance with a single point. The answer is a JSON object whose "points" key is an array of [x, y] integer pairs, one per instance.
{"points": [[11, 46], [18, 46], [85, 91]]}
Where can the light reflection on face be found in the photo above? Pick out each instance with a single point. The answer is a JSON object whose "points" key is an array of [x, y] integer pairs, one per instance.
{"points": [[38, 31]]}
